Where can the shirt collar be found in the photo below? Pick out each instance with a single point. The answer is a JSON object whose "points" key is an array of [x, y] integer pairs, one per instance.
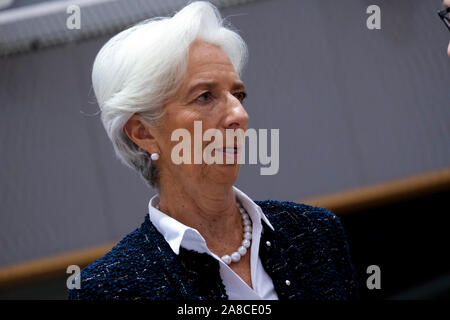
{"points": [[251, 206], [177, 233]]}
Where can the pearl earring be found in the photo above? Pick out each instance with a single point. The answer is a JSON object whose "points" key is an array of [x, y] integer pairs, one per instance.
{"points": [[154, 156]]}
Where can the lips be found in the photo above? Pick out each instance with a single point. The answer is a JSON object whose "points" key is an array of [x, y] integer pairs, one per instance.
{"points": [[232, 150], [232, 153]]}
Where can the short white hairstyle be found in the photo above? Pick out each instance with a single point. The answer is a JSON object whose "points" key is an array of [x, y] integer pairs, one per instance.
{"points": [[139, 69]]}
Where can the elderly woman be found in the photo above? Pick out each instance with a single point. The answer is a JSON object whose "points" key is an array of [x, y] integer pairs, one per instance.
{"points": [[203, 238]]}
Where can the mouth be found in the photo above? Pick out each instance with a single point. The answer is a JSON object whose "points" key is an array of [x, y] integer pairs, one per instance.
{"points": [[231, 152]]}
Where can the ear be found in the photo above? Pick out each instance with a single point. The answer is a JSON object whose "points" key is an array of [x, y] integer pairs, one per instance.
{"points": [[140, 134]]}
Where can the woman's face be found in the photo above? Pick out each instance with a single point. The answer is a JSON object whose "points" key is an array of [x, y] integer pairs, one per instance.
{"points": [[212, 93]]}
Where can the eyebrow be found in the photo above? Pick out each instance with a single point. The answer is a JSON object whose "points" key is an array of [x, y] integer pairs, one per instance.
{"points": [[237, 85]]}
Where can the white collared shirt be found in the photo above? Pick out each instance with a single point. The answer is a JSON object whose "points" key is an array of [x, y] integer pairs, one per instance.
{"points": [[178, 234]]}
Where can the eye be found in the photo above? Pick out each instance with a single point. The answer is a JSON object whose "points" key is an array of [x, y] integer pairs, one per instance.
{"points": [[240, 95], [204, 97]]}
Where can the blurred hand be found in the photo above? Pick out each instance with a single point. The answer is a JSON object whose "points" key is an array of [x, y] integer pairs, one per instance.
{"points": [[447, 3]]}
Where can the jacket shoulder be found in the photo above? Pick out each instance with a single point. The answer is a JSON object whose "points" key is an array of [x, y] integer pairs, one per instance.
{"points": [[120, 273], [314, 225], [299, 215]]}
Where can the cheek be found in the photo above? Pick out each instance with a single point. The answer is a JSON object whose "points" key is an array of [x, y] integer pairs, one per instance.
{"points": [[448, 49], [181, 118], [191, 119]]}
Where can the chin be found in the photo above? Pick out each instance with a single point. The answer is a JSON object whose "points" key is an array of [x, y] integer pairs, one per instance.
{"points": [[225, 173]]}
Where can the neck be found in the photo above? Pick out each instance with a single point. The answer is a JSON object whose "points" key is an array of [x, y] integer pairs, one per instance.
{"points": [[211, 210]]}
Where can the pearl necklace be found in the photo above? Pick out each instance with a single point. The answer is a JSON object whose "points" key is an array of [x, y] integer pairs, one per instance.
{"points": [[246, 242]]}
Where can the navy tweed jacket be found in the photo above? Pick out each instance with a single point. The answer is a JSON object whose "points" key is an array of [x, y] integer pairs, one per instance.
{"points": [[308, 248]]}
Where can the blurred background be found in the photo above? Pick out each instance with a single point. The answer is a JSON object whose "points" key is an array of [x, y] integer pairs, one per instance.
{"points": [[364, 119]]}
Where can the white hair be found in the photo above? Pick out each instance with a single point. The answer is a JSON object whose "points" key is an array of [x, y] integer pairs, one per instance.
{"points": [[140, 68]]}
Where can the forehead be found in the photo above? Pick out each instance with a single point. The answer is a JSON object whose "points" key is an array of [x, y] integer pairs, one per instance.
{"points": [[205, 57]]}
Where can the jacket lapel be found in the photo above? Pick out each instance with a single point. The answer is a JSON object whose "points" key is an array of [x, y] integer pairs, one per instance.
{"points": [[193, 275], [285, 264]]}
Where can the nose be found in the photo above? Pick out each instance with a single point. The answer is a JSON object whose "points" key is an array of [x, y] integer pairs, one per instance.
{"points": [[236, 116]]}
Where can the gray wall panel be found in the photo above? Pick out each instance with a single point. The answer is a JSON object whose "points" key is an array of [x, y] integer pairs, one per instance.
{"points": [[366, 106], [47, 167]]}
